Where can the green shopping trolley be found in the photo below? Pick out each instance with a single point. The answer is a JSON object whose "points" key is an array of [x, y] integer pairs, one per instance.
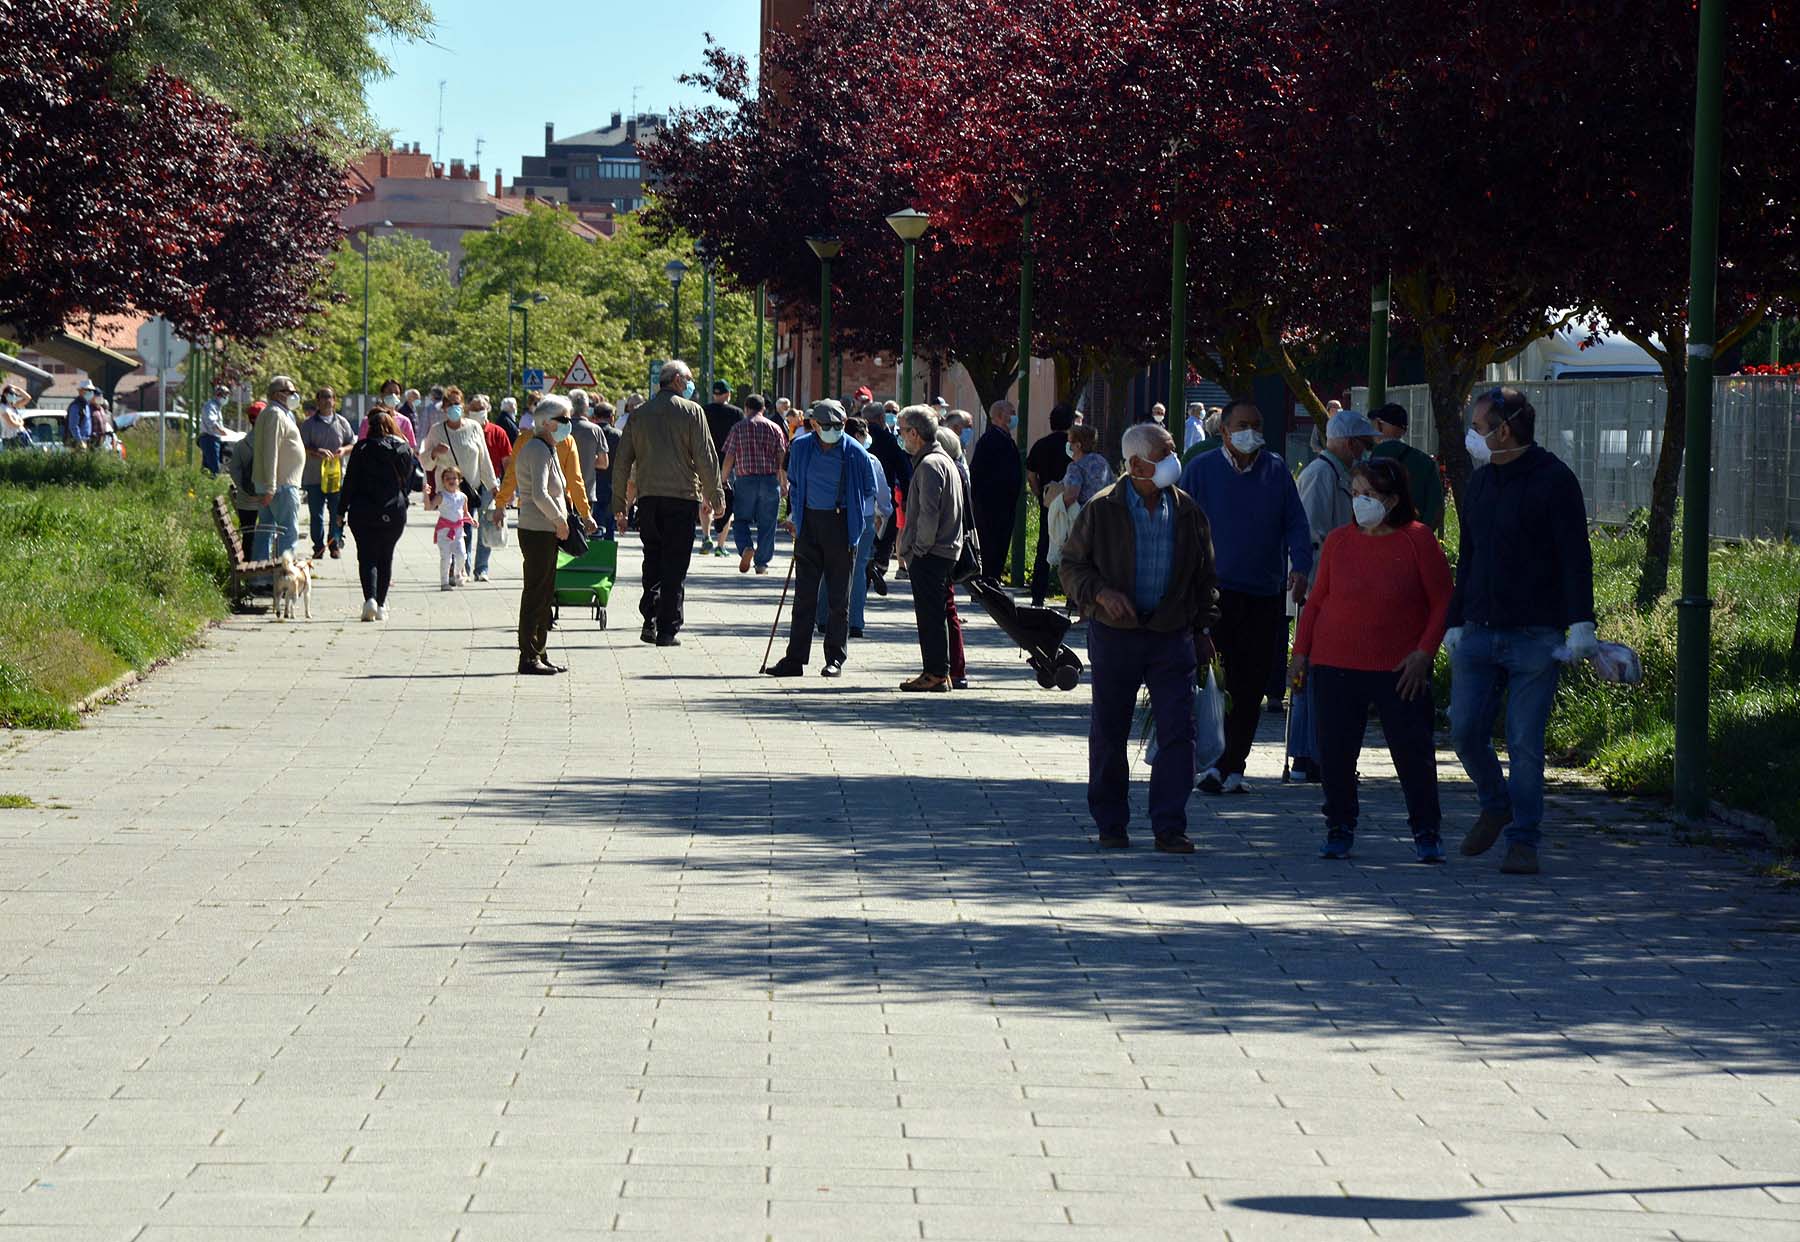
{"points": [[586, 581]]}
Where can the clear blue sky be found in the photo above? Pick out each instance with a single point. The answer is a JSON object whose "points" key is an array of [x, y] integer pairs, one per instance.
{"points": [[514, 64]]}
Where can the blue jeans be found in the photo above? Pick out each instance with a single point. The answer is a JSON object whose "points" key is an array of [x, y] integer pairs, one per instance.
{"points": [[601, 500], [1119, 661], [318, 500], [277, 525], [210, 453], [756, 502], [859, 580], [1520, 664]]}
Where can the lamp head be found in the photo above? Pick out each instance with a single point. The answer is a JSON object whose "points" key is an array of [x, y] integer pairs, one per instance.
{"points": [[675, 269], [825, 247], [910, 223]]}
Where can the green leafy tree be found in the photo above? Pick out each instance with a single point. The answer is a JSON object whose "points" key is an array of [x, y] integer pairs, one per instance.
{"points": [[528, 253], [291, 68]]}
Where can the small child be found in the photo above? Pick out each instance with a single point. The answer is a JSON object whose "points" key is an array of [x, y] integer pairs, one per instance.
{"points": [[452, 520]]}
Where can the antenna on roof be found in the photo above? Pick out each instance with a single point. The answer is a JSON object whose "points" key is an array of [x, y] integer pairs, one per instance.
{"points": [[439, 151], [634, 94], [479, 143]]}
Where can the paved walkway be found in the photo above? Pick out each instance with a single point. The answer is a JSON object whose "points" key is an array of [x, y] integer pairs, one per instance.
{"points": [[340, 930]]}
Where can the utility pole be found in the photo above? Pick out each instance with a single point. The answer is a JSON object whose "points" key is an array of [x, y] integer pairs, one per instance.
{"points": [[438, 151]]}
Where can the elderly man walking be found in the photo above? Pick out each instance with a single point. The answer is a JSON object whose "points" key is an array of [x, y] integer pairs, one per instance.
{"points": [[995, 477], [666, 461], [831, 497], [279, 463], [932, 540], [1524, 576], [1391, 422], [754, 448], [1139, 564], [1258, 530]]}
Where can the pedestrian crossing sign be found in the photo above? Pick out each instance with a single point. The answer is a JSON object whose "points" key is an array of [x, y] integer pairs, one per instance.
{"points": [[578, 375]]}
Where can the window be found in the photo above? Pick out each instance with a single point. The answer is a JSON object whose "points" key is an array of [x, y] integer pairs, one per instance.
{"points": [[621, 170], [583, 172]]}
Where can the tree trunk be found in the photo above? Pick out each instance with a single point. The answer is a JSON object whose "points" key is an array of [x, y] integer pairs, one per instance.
{"points": [[992, 375], [1297, 384], [1118, 390], [1450, 383], [1653, 576]]}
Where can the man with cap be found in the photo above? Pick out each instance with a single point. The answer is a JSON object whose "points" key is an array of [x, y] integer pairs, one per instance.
{"points": [[278, 455], [212, 430], [79, 427], [1421, 470], [667, 466], [721, 417], [1324, 487], [831, 497]]}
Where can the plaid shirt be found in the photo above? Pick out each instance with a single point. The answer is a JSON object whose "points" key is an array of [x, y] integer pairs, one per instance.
{"points": [[755, 446], [1155, 547]]}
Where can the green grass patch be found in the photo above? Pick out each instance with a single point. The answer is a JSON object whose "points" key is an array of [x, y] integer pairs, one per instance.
{"points": [[16, 802], [103, 568]]}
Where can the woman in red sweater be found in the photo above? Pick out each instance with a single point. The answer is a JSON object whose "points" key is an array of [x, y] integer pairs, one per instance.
{"points": [[1368, 636]]}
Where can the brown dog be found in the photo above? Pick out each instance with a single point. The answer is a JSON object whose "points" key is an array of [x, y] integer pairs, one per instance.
{"points": [[293, 581]]}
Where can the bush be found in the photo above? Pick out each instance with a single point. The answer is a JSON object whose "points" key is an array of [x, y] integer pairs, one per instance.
{"points": [[103, 567]]}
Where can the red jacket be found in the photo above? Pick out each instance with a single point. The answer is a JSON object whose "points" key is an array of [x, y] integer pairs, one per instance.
{"points": [[499, 447]]}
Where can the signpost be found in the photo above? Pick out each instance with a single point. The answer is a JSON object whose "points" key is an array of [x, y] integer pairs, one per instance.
{"points": [[534, 379], [578, 375], [161, 351]]}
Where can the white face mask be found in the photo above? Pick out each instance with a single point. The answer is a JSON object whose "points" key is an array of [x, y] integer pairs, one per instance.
{"points": [[1168, 470], [292, 402], [1246, 440], [1369, 511], [392, 401], [560, 431], [1478, 448], [830, 435]]}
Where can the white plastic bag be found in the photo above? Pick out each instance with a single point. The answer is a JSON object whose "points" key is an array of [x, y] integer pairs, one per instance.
{"points": [[493, 527], [1209, 723], [1061, 520]]}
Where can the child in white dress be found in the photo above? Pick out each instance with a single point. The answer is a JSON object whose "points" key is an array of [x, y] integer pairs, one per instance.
{"points": [[452, 520]]}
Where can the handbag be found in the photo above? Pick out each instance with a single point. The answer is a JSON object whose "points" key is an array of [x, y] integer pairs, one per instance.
{"points": [[575, 543]]}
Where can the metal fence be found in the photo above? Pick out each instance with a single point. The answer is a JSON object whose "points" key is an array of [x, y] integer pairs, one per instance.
{"points": [[1609, 431]]}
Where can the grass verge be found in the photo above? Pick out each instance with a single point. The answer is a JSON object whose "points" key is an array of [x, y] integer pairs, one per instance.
{"points": [[103, 568]]}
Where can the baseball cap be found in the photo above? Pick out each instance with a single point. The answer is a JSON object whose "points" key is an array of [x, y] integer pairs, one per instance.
{"points": [[1349, 425], [1392, 414], [865, 393]]}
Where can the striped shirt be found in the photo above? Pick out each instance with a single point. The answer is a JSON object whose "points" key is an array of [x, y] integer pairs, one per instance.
{"points": [[755, 446], [1155, 547]]}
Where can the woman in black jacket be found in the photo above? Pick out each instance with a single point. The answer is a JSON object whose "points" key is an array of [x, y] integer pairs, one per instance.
{"points": [[381, 474]]}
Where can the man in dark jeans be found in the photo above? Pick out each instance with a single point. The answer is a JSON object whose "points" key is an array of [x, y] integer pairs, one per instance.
{"points": [[666, 453], [1254, 510], [897, 465], [721, 417], [1139, 563], [1047, 462], [831, 493], [601, 497]]}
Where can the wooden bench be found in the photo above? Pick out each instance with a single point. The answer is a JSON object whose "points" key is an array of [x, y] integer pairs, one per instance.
{"points": [[243, 570]]}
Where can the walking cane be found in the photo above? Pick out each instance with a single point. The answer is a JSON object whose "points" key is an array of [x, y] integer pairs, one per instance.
{"points": [[777, 624]]}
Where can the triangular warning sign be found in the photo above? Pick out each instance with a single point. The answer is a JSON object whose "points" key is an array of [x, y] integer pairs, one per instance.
{"points": [[578, 375]]}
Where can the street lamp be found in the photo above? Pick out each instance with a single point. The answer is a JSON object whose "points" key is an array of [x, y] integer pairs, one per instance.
{"points": [[523, 307], [827, 248], [704, 251], [910, 224], [675, 269], [1178, 270], [762, 313], [1027, 268], [386, 224]]}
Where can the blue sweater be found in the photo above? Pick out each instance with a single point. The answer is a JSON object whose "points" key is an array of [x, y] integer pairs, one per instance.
{"points": [[1259, 529]]}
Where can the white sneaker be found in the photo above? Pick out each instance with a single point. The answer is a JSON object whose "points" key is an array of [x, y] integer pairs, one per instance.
{"points": [[1210, 782], [1235, 783], [368, 613], [381, 612], [482, 576]]}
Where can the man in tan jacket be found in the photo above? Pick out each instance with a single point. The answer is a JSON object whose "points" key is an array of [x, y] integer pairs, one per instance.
{"points": [[667, 462], [280, 459]]}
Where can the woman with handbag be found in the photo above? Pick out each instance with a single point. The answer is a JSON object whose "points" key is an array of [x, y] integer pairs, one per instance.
{"points": [[381, 475], [543, 524]]}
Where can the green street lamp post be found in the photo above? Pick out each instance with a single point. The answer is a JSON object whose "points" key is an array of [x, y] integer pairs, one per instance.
{"points": [[827, 249], [1378, 341], [523, 307], [386, 224], [1178, 265], [1027, 267], [1693, 635], [675, 269], [705, 324], [910, 224]]}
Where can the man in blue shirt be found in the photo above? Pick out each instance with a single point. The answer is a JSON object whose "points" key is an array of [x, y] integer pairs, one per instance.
{"points": [[78, 426], [1258, 528], [831, 497]]}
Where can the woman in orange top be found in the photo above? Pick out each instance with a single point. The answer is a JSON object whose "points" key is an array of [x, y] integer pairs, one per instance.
{"points": [[1368, 636]]}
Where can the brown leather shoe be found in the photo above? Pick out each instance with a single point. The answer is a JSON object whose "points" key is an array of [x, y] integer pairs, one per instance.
{"points": [[926, 683], [1482, 836]]}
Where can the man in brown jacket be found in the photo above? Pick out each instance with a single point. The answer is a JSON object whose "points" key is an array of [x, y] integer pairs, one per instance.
{"points": [[1139, 563], [666, 460]]}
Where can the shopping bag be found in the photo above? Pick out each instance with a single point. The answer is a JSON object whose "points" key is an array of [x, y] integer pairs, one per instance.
{"points": [[1059, 520], [1209, 723]]}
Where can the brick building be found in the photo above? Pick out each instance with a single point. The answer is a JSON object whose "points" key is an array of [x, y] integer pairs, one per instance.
{"points": [[597, 170]]}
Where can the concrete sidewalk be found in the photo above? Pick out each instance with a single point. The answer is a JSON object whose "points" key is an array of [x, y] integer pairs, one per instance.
{"points": [[345, 931]]}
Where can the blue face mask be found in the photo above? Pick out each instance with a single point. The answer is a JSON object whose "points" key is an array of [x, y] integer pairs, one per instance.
{"points": [[1012, 425], [830, 435], [688, 392], [559, 431], [967, 436]]}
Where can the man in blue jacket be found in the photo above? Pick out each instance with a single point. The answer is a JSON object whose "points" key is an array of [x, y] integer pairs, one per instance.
{"points": [[1258, 529], [831, 497], [1524, 588]]}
